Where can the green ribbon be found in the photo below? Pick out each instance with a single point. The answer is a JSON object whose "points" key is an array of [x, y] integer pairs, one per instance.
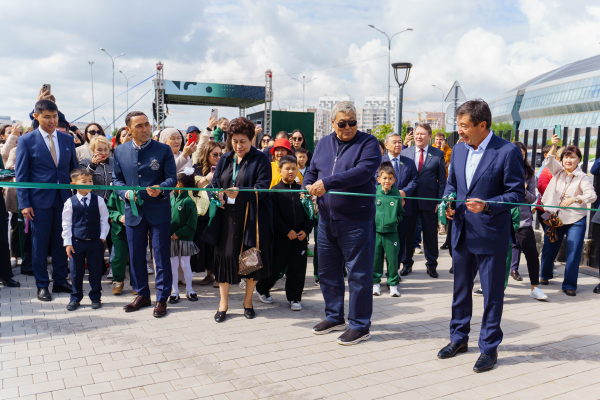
{"points": [[308, 206], [36, 185], [212, 207], [134, 194], [446, 200]]}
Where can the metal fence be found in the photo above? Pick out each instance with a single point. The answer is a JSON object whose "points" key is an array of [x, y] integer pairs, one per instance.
{"points": [[536, 140]]}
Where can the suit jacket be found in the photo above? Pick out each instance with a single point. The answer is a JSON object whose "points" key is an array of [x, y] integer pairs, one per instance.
{"points": [[257, 175], [408, 180], [149, 166], [499, 177], [596, 171], [432, 178], [35, 164]]}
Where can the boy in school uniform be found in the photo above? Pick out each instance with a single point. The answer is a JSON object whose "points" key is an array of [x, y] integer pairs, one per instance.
{"points": [[292, 226], [301, 159], [388, 213], [84, 230]]}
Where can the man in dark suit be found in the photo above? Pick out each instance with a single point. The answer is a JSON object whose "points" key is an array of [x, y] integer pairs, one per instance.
{"points": [[46, 156], [484, 170], [406, 182], [431, 168], [147, 163]]}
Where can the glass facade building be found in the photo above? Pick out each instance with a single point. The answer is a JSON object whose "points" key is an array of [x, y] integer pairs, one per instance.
{"points": [[567, 96]]}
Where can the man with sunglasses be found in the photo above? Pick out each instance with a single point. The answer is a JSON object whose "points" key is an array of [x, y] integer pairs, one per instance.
{"points": [[345, 161]]}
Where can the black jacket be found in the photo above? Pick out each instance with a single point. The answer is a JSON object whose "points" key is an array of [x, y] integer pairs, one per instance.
{"points": [[288, 213], [257, 175]]}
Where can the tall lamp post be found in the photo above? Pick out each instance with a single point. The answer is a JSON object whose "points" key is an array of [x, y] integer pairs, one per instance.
{"points": [[93, 106], [399, 69], [127, 80], [443, 124], [303, 87], [113, 81], [389, 54]]}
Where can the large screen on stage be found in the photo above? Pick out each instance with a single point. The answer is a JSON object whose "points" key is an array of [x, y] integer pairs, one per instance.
{"points": [[182, 92]]}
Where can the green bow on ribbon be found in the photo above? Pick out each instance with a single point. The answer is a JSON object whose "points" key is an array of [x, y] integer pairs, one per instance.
{"points": [[308, 206], [137, 202], [444, 205], [212, 207]]}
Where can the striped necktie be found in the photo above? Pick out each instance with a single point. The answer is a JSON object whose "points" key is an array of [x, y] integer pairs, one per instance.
{"points": [[396, 168]]}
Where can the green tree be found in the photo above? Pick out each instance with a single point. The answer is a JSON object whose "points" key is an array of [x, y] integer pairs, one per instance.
{"points": [[382, 131], [501, 126]]}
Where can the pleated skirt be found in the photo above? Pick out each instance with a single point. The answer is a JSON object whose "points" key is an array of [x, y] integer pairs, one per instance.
{"points": [[183, 248]]}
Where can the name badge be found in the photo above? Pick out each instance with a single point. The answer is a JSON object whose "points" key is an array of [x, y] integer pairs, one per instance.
{"points": [[230, 200]]}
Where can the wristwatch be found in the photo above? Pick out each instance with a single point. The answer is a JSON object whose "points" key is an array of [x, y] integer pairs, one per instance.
{"points": [[486, 208]]}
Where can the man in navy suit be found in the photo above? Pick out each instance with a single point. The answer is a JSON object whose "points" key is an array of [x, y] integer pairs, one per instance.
{"points": [[484, 170], [431, 168], [46, 156], [147, 163], [406, 182]]}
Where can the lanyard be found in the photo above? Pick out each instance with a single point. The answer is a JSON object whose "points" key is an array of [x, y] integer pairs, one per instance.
{"points": [[235, 171]]}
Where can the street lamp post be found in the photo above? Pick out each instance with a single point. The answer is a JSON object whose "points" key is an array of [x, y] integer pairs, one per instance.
{"points": [[93, 106], [113, 81], [303, 87], [127, 80], [443, 124], [401, 82], [389, 54]]}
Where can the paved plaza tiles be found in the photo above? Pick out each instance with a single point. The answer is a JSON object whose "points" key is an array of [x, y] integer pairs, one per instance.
{"points": [[550, 349]]}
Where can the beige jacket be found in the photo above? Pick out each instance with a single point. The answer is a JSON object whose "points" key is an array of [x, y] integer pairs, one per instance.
{"points": [[11, 143], [84, 152], [202, 140], [12, 158], [578, 184]]}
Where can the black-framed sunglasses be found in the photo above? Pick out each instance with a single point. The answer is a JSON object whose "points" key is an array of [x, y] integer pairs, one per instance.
{"points": [[297, 138], [93, 132], [266, 140], [342, 124], [215, 155]]}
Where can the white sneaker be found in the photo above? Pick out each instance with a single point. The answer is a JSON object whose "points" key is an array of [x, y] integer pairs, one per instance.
{"points": [[295, 306], [478, 292], [537, 294], [394, 292], [418, 250], [110, 274], [13, 262], [263, 298], [149, 269], [376, 290], [243, 284]]}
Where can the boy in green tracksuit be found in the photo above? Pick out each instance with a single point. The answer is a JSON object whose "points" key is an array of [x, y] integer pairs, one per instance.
{"points": [[116, 211], [515, 216], [388, 214]]}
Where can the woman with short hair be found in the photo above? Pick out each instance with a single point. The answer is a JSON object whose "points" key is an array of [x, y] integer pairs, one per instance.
{"points": [[174, 138], [569, 187], [241, 218], [100, 164]]}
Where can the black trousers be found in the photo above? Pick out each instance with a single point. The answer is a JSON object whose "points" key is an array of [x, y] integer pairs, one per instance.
{"points": [[92, 252], [449, 235], [5, 268], [15, 244], [429, 223], [526, 238], [293, 254]]}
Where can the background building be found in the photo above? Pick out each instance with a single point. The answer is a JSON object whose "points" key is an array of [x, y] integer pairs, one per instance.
{"points": [[379, 101], [371, 118], [327, 101], [568, 96], [322, 123]]}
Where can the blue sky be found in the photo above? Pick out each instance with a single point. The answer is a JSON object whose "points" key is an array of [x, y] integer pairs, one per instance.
{"points": [[488, 46]]}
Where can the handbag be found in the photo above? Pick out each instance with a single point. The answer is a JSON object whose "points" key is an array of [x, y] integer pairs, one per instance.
{"points": [[554, 220], [250, 259]]}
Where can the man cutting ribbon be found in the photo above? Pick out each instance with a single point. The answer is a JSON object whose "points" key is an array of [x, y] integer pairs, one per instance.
{"points": [[147, 163]]}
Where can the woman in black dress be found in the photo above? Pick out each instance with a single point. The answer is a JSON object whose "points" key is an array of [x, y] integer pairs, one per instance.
{"points": [[245, 167]]}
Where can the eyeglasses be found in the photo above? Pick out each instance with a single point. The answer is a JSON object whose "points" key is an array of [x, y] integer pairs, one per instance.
{"points": [[215, 155], [93, 132], [342, 124], [297, 138], [266, 140]]}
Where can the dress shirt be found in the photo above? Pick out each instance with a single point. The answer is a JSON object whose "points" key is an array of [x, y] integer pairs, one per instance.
{"points": [[418, 154], [54, 139], [146, 143], [475, 157], [67, 218]]}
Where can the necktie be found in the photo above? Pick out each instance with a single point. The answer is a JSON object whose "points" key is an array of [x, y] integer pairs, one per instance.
{"points": [[52, 149], [421, 161], [396, 168], [84, 200]]}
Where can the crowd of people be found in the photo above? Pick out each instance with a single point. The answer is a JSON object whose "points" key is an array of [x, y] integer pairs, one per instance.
{"points": [[241, 237]]}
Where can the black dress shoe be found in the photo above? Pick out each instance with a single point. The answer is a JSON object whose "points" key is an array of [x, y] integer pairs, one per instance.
{"points": [[452, 349], [352, 336], [485, 362], [249, 312], [432, 272], [325, 327], [65, 288], [451, 270], [445, 246], [72, 306], [516, 276], [220, 316], [405, 271], [10, 282], [571, 293], [96, 305], [597, 289], [44, 294], [544, 282]]}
